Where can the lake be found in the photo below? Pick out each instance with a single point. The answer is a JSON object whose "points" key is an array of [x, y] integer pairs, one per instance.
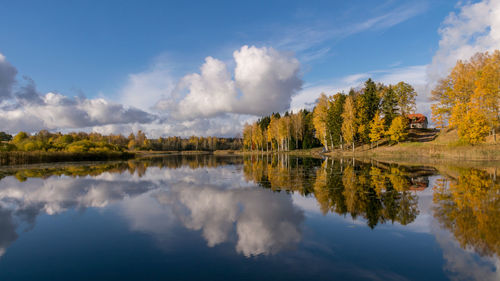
{"points": [[249, 218]]}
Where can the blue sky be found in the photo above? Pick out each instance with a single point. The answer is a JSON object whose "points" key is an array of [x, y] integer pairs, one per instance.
{"points": [[93, 46], [137, 54]]}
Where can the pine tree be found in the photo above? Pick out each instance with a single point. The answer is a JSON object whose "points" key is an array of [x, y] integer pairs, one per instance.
{"points": [[367, 107], [389, 105], [5, 137]]}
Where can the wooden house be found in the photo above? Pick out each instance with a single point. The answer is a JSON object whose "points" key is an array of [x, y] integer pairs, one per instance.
{"points": [[417, 120]]}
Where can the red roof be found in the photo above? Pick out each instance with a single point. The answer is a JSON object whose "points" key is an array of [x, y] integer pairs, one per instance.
{"points": [[417, 118]]}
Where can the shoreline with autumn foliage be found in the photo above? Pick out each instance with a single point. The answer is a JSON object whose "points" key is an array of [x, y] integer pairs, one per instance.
{"points": [[377, 120]]}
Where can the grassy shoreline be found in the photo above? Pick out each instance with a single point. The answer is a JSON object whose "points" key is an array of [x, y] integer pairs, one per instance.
{"points": [[298, 152], [413, 152], [486, 152], [429, 144], [37, 157]]}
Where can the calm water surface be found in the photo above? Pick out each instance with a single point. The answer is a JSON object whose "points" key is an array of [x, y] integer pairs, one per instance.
{"points": [[256, 218]]}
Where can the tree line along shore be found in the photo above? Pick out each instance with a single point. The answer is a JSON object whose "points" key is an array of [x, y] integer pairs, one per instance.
{"points": [[362, 116], [45, 146]]}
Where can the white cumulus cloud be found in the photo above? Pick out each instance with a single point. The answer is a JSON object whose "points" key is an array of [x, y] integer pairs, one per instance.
{"points": [[475, 28], [55, 112], [144, 89], [267, 79], [264, 81], [23, 108], [210, 93]]}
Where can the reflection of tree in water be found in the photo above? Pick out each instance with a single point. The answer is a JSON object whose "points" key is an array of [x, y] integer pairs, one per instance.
{"points": [[280, 173], [469, 206], [138, 167], [376, 192]]}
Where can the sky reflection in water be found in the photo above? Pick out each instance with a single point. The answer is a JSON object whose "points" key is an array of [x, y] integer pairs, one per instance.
{"points": [[205, 217]]}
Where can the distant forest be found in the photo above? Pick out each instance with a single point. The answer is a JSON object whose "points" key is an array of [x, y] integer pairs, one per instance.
{"points": [[95, 142]]}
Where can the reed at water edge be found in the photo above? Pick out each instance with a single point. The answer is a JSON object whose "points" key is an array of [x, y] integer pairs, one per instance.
{"points": [[22, 157]]}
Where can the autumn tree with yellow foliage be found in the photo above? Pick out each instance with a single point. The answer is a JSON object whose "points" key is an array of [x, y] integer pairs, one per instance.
{"points": [[320, 115], [377, 129], [398, 129], [349, 125], [468, 99], [281, 133], [469, 207]]}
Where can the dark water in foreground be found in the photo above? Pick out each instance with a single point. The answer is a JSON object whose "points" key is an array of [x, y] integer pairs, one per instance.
{"points": [[234, 218]]}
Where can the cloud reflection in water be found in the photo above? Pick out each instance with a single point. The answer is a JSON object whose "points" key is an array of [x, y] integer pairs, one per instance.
{"points": [[216, 201]]}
